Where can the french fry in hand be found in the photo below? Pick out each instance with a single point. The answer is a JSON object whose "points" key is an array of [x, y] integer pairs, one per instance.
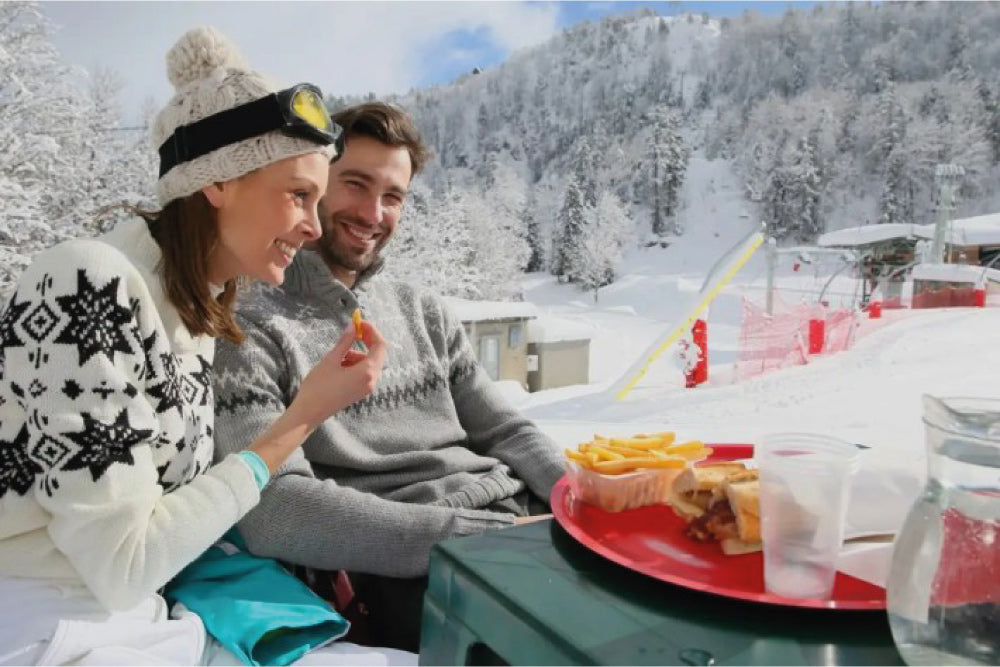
{"points": [[356, 318]]}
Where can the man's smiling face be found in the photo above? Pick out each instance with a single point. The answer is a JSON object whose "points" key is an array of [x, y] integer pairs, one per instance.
{"points": [[363, 204]]}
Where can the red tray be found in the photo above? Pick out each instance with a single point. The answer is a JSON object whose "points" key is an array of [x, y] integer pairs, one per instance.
{"points": [[651, 540]]}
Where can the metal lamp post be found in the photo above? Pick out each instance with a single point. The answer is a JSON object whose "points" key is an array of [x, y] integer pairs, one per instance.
{"points": [[948, 178]]}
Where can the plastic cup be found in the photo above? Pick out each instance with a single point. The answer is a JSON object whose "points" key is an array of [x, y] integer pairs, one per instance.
{"points": [[805, 483]]}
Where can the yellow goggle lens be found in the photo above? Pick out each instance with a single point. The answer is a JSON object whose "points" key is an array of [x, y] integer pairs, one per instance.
{"points": [[309, 108]]}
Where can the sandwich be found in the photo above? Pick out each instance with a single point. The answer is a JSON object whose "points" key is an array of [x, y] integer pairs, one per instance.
{"points": [[692, 490], [721, 503]]}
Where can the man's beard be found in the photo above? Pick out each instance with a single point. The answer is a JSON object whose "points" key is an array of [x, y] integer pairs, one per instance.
{"points": [[334, 252]]}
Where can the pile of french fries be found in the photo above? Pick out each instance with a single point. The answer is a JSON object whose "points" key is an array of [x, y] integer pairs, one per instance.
{"points": [[615, 456]]}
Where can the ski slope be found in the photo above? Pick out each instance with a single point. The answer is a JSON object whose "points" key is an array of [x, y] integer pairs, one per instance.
{"points": [[870, 394]]}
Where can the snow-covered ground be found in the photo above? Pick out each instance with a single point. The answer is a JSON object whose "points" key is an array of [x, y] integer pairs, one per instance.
{"points": [[870, 394]]}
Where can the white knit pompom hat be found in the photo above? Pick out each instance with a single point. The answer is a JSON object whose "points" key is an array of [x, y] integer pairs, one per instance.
{"points": [[209, 76]]}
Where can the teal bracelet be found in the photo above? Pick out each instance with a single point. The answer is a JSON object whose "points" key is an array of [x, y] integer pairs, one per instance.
{"points": [[257, 466]]}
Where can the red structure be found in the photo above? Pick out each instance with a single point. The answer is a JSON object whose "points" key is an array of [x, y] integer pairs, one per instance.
{"points": [[699, 338], [817, 335]]}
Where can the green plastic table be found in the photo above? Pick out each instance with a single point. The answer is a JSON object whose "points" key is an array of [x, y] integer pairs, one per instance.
{"points": [[532, 595]]}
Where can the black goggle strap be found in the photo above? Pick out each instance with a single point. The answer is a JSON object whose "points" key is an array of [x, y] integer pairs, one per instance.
{"points": [[226, 127]]}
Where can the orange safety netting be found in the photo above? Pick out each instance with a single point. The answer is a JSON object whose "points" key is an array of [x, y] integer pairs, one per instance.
{"points": [[782, 339]]}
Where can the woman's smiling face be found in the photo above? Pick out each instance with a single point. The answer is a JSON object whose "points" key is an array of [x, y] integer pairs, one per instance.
{"points": [[265, 216]]}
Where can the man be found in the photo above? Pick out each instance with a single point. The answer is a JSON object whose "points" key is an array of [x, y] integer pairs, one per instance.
{"points": [[434, 452]]}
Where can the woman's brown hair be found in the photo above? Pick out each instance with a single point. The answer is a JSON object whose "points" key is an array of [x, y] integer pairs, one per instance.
{"points": [[187, 233]]}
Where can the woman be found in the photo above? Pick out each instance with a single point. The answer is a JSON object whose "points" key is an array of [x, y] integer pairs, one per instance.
{"points": [[107, 488]]}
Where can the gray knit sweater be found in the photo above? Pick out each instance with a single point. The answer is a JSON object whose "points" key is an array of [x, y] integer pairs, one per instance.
{"points": [[413, 463]]}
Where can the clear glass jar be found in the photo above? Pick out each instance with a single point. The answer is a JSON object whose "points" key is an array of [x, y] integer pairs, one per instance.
{"points": [[943, 591]]}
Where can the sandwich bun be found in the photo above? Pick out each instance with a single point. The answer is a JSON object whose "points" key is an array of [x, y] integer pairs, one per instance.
{"points": [[691, 493], [721, 503]]}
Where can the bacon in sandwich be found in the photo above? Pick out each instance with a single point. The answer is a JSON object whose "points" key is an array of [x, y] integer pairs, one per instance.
{"points": [[721, 503]]}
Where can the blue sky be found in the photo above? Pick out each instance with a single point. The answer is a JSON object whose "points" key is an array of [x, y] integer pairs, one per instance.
{"points": [[346, 47], [442, 63]]}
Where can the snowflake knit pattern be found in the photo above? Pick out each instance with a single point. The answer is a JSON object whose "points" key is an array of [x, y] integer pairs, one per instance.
{"points": [[419, 460], [106, 424]]}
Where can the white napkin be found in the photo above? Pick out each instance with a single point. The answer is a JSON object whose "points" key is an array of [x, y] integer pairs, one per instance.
{"points": [[868, 561], [881, 495], [882, 491]]}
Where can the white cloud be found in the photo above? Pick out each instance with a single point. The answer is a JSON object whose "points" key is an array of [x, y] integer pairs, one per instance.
{"points": [[344, 47]]}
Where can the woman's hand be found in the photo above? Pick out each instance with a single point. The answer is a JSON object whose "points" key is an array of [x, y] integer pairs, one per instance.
{"points": [[345, 375], [342, 377]]}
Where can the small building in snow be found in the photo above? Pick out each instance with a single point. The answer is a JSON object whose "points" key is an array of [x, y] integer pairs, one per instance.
{"points": [[974, 240], [515, 341], [496, 330], [886, 252], [891, 255]]}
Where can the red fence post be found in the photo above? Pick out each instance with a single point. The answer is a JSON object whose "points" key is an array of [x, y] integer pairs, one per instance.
{"points": [[817, 335], [699, 334], [875, 310], [697, 373]]}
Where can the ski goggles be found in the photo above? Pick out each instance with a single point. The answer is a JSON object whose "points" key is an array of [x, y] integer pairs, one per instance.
{"points": [[297, 111]]}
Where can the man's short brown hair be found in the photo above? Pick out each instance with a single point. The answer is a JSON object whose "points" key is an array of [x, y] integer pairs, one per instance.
{"points": [[387, 124]]}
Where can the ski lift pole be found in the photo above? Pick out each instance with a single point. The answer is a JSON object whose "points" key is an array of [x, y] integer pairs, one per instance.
{"points": [[713, 284], [826, 286]]}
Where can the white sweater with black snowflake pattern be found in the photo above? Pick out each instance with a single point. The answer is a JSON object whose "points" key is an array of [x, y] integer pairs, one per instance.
{"points": [[106, 418]]}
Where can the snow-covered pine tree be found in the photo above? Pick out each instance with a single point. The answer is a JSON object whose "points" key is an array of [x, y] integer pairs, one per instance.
{"points": [[498, 233], [433, 246], [810, 183], [100, 149], [990, 98], [890, 121], [608, 234], [790, 71], [896, 198], [570, 225], [586, 168], [779, 209], [529, 218], [896, 201], [668, 159], [39, 111]]}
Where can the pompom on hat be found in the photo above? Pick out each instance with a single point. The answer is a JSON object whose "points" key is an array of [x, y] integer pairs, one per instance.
{"points": [[209, 76]]}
